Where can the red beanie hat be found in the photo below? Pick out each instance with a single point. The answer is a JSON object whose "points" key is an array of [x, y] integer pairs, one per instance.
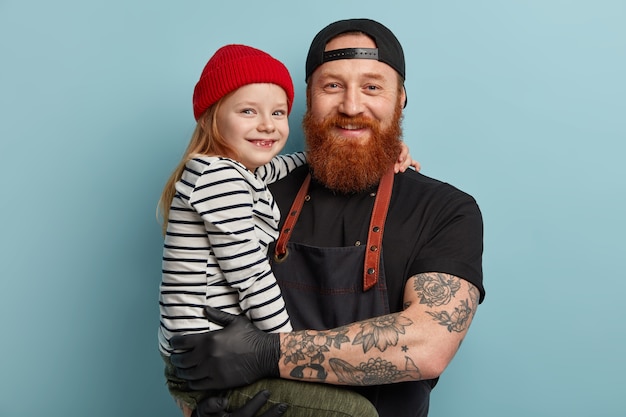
{"points": [[234, 66]]}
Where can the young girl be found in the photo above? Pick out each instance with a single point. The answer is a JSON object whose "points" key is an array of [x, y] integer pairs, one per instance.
{"points": [[219, 215]]}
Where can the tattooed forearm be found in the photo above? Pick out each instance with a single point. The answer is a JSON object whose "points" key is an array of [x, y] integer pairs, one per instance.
{"points": [[307, 351], [376, 371], [381, 332]]}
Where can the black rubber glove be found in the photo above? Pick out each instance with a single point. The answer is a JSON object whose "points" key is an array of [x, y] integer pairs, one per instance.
{"points": [[216, 407], [239, 354]]}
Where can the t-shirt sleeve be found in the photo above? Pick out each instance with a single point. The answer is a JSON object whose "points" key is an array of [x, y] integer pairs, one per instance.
{"points": [[455, 241]]}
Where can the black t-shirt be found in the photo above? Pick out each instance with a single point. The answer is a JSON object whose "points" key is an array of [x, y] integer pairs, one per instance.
{"points": [[431, 226]]}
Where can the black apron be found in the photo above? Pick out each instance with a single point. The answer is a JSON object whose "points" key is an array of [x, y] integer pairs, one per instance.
{"points": [[328, 287]]}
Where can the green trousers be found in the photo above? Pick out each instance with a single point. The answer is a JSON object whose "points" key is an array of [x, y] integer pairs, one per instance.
{"points": [[305, 399]]}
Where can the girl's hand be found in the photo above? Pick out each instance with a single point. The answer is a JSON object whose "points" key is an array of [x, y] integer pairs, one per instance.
{"points": [[405, 160]]}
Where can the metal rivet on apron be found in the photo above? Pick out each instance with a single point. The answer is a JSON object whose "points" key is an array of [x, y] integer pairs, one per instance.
{"points": [[372, 194], [281, 258], [307, 197], [371, 271], [373, 248], [357, 243], [376, 229]]}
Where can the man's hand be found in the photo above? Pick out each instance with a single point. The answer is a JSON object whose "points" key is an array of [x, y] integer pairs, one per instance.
{"points": [[239, 354], [216, 407]]}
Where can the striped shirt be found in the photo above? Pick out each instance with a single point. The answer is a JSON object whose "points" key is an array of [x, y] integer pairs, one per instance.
{"points": [[221, 221]]}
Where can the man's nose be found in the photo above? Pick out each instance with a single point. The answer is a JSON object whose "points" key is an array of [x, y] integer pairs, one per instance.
{"points": [[351, 103]]}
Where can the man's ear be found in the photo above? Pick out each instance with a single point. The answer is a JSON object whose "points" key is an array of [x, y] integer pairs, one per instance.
{"points": [[403, 97]]}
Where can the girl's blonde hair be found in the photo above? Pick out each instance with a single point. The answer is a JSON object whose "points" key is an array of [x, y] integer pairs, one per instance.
{"points": [[205, 140]]}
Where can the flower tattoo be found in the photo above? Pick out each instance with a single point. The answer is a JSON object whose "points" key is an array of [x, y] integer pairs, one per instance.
{"points": [[376, 371], [436, 289], [310, 347], [458, 320], [381, 332]]}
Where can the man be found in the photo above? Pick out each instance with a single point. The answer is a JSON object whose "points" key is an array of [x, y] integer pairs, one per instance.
{"points": [[382, 317]]}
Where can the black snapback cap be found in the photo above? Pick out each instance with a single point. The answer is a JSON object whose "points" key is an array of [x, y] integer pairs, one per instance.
{"points": [[388, 48]]}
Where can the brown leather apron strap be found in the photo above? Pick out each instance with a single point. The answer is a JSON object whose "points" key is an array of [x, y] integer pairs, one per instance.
{"points": [[280, 251], [375, 231]]}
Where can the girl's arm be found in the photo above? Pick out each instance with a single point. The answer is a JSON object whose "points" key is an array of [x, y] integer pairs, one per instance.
{"points": [[280, 166]]}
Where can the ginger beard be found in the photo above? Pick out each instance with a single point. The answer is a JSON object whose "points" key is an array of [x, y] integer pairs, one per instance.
{"points": [[351, 165]]}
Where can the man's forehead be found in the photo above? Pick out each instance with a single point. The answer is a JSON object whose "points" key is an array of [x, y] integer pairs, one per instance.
{"points": [[356, 69], [350, 40]]}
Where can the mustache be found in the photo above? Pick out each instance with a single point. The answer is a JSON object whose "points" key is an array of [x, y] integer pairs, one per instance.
{"points": [[355, 122]]}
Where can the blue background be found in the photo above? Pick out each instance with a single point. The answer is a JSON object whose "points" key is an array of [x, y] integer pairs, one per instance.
{"points": [[520, 103]]}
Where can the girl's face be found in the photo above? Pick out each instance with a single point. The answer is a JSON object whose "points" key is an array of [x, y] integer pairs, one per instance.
{"points": [[253, 121]]}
